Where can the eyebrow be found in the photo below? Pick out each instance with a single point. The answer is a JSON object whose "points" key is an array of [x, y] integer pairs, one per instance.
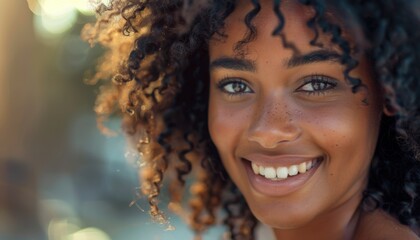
{"points": [[234, 64], [295, 61], [313, 57]]}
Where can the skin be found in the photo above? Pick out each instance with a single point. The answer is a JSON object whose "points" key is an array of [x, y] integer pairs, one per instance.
{"points": [[274, 112]]}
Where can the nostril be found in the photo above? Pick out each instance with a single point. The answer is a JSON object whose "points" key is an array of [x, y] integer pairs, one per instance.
{"points": [[265, 142], [271, 137]]}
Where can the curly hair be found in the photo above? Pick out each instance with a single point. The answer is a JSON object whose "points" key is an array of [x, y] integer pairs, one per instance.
{"points": [[156, 76]]}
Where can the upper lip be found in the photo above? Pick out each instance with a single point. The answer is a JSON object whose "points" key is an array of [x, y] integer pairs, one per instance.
{"points": [[278, 160]]}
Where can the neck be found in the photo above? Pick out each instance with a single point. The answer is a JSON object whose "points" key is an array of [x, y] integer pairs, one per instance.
{"points": [[338, 224]]}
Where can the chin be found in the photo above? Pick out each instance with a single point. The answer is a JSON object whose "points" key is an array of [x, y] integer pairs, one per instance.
{"points": [[281, 217]]}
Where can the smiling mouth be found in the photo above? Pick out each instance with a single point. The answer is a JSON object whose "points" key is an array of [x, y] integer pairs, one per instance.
{"points": [[272, 178], [284, 172]]}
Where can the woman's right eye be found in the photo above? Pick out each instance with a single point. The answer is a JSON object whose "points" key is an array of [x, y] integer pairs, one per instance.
{"points": [[234, 86]]}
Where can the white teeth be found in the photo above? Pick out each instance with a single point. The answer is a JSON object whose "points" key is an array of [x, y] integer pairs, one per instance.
{"points": [[262, 170], [293, 170], [281, 173], [308, 165], [302, 167], [256, 169], [270, 172]]}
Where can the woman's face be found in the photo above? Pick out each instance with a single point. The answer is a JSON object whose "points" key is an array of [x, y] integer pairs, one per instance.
{"points": [[273, 115]]}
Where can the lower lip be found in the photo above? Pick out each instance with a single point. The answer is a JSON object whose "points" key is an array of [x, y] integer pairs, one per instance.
{"points": [[278, 188]]}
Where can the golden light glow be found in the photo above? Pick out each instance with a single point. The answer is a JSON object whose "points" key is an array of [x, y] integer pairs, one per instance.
{"points": [[89, 234], [46, 25], [56, 8], [54, 17], [34, 7], [60, 228], [84, 6]]}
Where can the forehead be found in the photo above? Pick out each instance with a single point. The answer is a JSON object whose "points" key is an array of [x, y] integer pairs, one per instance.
{"points": [[296, 30]]}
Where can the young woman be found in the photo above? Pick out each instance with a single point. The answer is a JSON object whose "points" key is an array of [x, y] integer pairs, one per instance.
{"points": [[302, 115]]}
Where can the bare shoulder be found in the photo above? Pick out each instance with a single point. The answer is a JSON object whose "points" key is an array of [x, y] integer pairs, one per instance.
{"points": [[379, 225]]}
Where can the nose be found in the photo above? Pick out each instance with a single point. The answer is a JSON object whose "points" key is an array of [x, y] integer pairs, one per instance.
{"points": [[273, 124]]}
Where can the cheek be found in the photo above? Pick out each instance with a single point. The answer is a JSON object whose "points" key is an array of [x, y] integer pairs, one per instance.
{"points": [[225, 126], [347, 133], [353, 119], [331, 127]]}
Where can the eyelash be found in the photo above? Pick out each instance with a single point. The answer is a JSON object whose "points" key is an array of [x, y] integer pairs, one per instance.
{"points": [[227, 80], [329, 82]]}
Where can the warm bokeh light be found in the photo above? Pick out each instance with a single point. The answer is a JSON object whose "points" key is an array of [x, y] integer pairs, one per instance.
{"points": [[54, 17], [59, 229], [46, 25], [56, 8], [34, 7], [85, 7], [89, 234]]}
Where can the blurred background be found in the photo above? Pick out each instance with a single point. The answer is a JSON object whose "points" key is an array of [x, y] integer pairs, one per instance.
{"points": [[60, 178]]}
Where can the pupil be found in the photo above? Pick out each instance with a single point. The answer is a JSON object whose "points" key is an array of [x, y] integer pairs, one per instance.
{"points": [[237, 87], [318, 85]]}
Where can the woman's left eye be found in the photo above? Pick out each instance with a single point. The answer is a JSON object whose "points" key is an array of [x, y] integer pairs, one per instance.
{"points": [[317, 84]]}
